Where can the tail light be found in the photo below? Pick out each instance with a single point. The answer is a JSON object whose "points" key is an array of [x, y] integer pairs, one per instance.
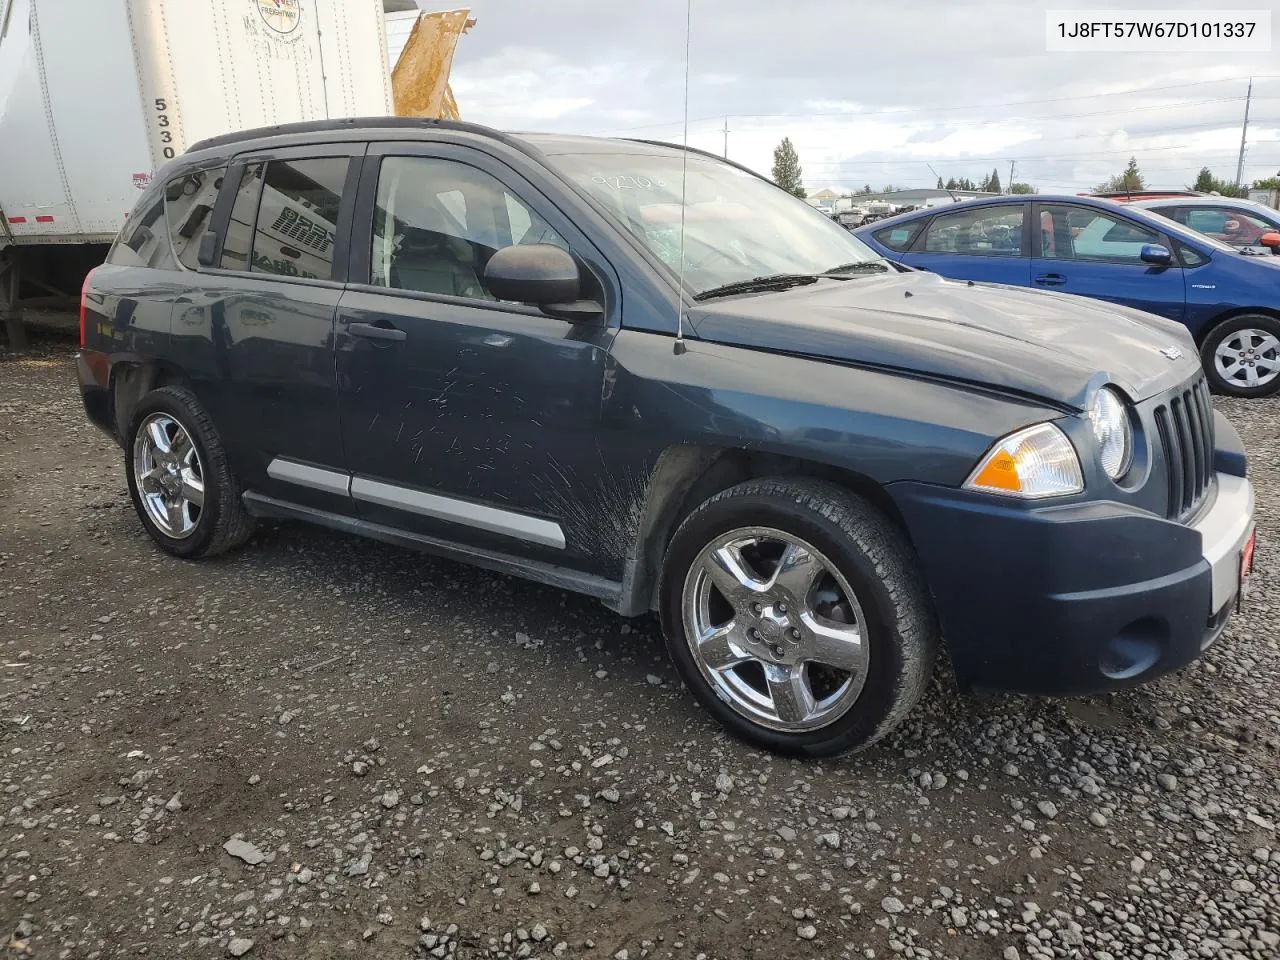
{"points": [[84, 305]]}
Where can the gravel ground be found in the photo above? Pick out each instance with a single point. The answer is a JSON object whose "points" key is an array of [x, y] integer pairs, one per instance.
{"points": [[320, 747]]}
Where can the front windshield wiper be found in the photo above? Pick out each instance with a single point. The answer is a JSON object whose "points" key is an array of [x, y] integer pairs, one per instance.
{"points": [[775, 281], [880, 265]]}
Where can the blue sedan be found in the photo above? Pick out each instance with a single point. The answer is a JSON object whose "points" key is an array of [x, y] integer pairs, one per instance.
{"points": [[1097, 248]]}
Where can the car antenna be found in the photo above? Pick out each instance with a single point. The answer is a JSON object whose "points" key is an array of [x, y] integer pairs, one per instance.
{"points": [[954, 198], [678, 349]]}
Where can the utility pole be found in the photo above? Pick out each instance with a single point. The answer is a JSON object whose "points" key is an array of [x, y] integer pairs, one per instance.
{"points": [[1013, 165], [1244, 132], [726, 138]]}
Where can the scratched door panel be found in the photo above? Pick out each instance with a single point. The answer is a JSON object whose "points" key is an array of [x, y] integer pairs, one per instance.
{"points": [[488, 404]]}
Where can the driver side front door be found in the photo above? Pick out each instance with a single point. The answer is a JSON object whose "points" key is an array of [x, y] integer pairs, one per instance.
{"points": [[465, 418]]}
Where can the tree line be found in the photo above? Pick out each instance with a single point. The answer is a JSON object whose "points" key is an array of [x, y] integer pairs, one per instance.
{"points": [[788, 174]]}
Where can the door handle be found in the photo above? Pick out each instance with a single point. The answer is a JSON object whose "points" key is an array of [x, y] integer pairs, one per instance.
{"points": [[371, 331], [1051, 279]]}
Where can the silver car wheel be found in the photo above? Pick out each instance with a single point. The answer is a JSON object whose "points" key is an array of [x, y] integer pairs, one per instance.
{"points": [[1248, 358], [169, 476], [775, 629]]}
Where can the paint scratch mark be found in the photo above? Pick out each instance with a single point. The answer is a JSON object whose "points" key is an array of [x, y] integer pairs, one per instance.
{"points": [[400, 431], [373, 421]]}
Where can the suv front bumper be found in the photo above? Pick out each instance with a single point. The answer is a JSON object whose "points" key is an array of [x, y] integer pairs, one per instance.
{"points": [[1078, 598]]}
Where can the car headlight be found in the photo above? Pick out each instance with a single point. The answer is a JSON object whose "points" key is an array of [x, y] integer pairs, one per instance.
{"points": [[1032, 463], [1112, 431]]}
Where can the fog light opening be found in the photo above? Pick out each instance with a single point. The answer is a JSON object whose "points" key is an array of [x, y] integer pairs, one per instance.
{"points": [[1135, 649]]}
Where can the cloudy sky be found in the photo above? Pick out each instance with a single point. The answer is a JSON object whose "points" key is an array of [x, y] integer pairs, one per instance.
{"points": [[872, 91]]}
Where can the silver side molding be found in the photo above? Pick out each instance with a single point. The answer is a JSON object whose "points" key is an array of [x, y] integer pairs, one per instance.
{"points": [[328, 481], [519, 526]]}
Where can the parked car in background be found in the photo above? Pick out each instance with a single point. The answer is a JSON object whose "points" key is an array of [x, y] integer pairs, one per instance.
{"points": [[813, 464], [1118, 252], [1239, 223]]}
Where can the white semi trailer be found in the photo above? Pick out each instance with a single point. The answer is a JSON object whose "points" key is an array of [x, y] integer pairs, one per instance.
{"points": [[95, 96]]}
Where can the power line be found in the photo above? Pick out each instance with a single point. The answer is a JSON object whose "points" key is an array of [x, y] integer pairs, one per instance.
{"points": [[1130, 151], [965, 106]]}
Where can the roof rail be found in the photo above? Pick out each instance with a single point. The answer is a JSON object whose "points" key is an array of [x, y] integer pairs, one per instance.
{"points": [[348, 123], [1145, 194]]}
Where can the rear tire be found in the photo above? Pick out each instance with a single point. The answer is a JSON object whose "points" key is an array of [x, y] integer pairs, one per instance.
{"points": [[1240, 348], [180, 480], [778, 577]]}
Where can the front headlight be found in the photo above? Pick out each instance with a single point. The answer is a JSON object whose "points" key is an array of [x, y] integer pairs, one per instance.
{"points": [[1032, 463], [1112, 431]]}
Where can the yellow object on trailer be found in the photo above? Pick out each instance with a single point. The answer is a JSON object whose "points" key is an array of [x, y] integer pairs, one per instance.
{"points": [[420, 80]]}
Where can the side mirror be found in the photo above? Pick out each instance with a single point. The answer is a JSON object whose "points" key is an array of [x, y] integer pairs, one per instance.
{"points": [[543, 275], [208, 249], [1272, 240], [1156, 254]]}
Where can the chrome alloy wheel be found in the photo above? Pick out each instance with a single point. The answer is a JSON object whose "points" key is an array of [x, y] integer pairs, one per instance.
{"points": [[169, 476], [775, 629], [1248, 358]]}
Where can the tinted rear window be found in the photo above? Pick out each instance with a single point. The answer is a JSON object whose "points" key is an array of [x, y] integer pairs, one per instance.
{"points": [[144, 241], [298, 217], [189, 201]]}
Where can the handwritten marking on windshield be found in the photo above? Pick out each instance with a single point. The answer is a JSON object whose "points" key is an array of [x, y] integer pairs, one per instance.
{"points": [[627, 182]]}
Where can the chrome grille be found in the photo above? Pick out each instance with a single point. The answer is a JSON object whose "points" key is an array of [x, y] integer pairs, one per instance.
{"points": [[1184, 421]]}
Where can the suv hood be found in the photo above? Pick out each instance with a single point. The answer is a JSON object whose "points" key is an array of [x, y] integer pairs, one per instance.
{"points": [[1045, 345]]}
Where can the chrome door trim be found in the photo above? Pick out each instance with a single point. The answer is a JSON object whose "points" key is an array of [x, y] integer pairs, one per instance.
{"points": [[315, 478], [505, 522]]}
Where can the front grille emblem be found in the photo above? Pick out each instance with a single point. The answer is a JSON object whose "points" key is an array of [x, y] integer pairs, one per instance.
{"points": [[1173, 353]]}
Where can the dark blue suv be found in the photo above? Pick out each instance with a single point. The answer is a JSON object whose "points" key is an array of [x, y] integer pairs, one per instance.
{"points": [[813, 464], [1098, 248]]}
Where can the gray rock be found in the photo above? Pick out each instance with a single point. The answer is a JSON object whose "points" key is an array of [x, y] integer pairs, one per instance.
{"points": [[724, 783], [358, 867], [242, 850], [892, 905], [807, 932], [1167, 781], [239, 946], [390, 800], [1047, 808]]}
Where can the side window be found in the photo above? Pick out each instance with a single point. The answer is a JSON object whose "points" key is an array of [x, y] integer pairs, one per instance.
{"points": [[437, 223], [1079, 233], [188, 206], [298, 217], [143, 241], [1189, 257], [899, 238], [984, 232]]}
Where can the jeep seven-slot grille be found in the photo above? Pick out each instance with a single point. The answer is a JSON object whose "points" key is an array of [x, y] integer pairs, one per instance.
{"points": [[1185, 424]]}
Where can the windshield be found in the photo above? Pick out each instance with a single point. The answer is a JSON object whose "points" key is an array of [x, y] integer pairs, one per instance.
{"points": [[737, 226]]}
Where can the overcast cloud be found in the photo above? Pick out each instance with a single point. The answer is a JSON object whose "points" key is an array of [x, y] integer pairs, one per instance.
{"points": [[871, 92]]}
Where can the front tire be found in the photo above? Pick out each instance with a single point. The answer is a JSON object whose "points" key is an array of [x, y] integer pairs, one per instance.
{"points": [[796, 614], [180, 480], [1242, 356]]}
